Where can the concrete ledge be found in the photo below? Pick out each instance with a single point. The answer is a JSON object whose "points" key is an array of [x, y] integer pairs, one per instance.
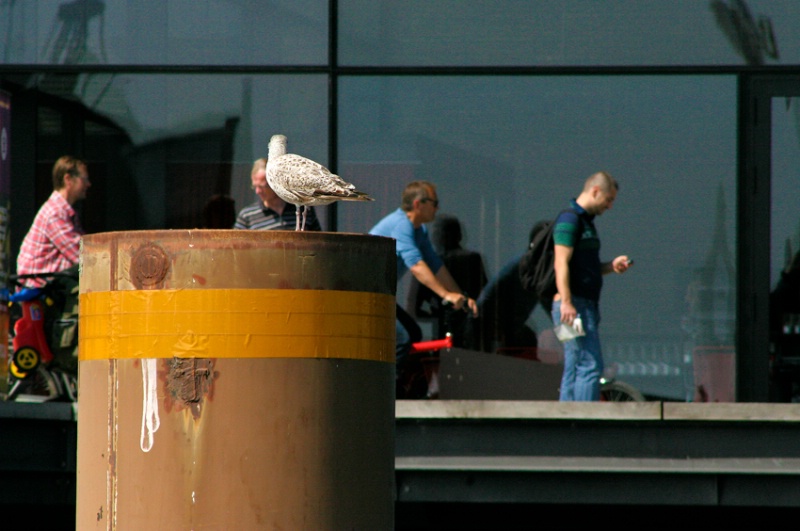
{"points": [[732, 411], [545, 409], [509, 409], [782, 466]]}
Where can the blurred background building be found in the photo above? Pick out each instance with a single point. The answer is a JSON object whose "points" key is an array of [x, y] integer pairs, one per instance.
{"points": [[506, 105]]}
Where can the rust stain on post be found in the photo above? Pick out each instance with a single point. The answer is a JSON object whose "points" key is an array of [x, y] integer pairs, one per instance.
{"points": [[189, 381]]}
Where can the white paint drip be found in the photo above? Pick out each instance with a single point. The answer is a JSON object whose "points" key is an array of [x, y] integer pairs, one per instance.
{"points": [[150, 420]]}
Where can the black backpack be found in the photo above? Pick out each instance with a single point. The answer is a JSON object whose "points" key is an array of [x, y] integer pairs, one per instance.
{"points": [[536, 272]]}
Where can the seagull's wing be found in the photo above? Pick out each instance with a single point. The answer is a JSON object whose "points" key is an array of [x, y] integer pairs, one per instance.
{"points": [[296, 172], [313, 182]]}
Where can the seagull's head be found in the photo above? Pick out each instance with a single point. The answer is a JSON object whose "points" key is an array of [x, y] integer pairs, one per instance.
{"points": [[277, 146]]}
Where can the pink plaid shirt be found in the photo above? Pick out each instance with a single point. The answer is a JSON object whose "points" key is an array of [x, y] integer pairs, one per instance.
{"points": [[53, 241]]}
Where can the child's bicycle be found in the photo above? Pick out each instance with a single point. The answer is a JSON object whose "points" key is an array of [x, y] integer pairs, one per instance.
{"points": [[43, 326]]}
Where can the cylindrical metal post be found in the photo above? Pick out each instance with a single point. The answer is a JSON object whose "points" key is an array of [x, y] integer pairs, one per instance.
{"points": [[236, 380]]}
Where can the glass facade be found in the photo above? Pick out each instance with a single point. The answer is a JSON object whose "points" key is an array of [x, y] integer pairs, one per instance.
{"points": [[502, 166], [152, 32], [410, 33], [568, 33], [506, 105]]}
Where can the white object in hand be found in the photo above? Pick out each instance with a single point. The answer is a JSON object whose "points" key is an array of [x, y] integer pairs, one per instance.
{"points": [[565, 332]]}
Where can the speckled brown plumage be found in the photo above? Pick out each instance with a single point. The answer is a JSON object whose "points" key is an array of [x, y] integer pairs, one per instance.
{"points": [[305, 183]]}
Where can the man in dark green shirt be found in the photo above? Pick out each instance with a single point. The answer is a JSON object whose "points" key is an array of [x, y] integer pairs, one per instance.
{"points": [[579, 279]]}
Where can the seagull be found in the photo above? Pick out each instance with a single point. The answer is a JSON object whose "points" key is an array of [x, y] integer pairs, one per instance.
{"points": [[305, 183]]}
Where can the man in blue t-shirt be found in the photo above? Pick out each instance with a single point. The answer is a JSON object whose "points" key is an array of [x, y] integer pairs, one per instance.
{"points": [[415, 253], [579, 279]]}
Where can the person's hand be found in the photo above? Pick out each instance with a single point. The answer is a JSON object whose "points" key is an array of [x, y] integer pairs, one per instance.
{"points": [[568, 313], [621, 264], [472, 306], [456, 299]]}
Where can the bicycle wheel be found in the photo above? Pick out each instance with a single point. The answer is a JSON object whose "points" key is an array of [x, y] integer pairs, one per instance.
{"points": [[617, 391]]}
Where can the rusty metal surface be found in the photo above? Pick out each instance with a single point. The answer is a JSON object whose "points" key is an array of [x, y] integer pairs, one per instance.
{"points": [[189, 381], [203, 259], [226, 442]]}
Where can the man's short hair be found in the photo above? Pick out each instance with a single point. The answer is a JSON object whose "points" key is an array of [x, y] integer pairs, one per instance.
{"points": [[416, 190], [63, 166], [602, 179]]}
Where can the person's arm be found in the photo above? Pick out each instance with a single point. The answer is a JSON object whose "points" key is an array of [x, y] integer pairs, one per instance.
{"points": [[436, 283], [450, 283], [443, 285], [65, 237], [562, 256], [446, 278]]}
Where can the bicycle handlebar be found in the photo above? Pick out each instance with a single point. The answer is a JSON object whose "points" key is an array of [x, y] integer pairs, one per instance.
{"points": [[464, 308]]}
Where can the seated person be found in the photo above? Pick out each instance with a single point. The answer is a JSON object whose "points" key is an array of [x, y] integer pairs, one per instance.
{"points": [[270, 212], [415, 253], [53, 242], [466, 267], [219, 212]]}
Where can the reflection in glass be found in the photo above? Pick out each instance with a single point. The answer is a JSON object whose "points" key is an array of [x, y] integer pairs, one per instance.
{"points": [[568, 33], [507, 152], [753, 37], [785, 249], [172, 143], [154, 32]]}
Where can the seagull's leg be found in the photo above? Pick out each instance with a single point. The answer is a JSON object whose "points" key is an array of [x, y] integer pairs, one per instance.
{"points": [[297, 217], [305, 213]]}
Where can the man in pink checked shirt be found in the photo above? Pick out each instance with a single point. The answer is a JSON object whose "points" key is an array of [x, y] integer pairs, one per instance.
{"points": [[53, 241]]}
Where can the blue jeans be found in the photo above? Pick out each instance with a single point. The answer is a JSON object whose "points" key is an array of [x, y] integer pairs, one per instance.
{"points": [[583, 359]]}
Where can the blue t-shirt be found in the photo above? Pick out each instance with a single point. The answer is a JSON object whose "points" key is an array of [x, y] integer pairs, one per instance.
{"points": [[585, 269], [411, 245]]}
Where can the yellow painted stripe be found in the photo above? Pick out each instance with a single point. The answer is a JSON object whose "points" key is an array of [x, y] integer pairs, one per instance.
{"points": [[236, 323]]}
